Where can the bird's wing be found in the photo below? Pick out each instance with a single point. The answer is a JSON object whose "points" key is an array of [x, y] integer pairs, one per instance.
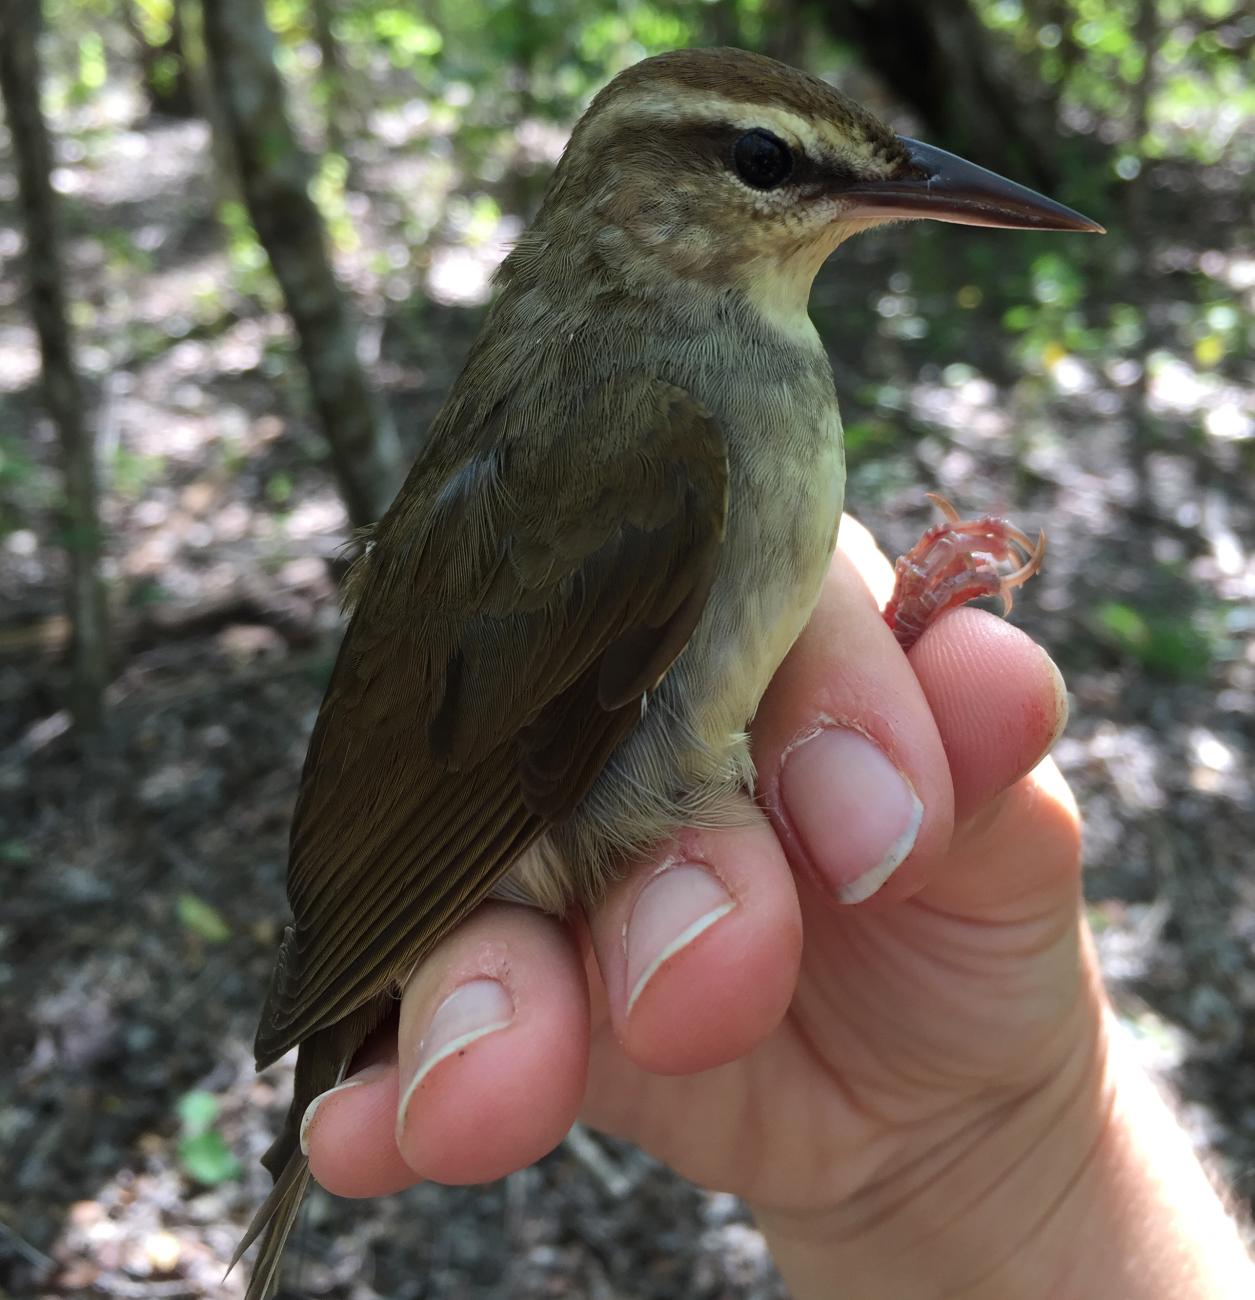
{"points": [[513, 612]]}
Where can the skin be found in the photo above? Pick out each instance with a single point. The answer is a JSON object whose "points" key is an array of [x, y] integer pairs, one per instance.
{"points": [[918, 1094]]}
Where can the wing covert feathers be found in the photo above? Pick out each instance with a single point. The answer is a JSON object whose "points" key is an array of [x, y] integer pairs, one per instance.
{"points": [[525, 591], [520, 598]]}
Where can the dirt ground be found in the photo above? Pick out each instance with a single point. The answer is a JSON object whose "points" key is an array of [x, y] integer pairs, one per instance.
{"points": [[143, 884]]}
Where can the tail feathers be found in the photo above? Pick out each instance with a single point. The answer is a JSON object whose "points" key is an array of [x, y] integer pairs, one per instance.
{"points": [[273, 1222], [320, 1064]]}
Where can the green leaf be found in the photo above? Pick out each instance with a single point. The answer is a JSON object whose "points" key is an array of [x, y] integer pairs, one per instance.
{"points": [[197, 1111], [1167, 644], [1125, 625], [202, 919], [207, 1158]]}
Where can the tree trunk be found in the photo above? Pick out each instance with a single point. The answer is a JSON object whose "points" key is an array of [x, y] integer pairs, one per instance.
{"points": [[345, 121], [274, 177], [163, 63], [20, 25], [939, 58], [786, 28], [226, 184]]}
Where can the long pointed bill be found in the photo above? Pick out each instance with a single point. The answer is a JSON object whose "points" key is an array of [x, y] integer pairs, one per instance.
{"points": [[944, 187]]}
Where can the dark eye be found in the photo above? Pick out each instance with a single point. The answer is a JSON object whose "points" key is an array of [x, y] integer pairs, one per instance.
{"points": [[762, 160]]}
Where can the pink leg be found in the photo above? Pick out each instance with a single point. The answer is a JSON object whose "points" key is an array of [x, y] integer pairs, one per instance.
{"points": [[954, 562]]}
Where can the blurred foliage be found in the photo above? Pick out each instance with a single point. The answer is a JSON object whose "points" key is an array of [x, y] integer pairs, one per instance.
{"points": [[250, 268], [1095, 55], [201, 919], [1169, 644], [203, 1151], [1153, 79], [18, 475], [155, 19], [471, 99], [432, 128]]}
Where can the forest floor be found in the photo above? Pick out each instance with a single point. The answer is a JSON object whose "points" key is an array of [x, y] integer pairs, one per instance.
{"points": [[143, 885]]}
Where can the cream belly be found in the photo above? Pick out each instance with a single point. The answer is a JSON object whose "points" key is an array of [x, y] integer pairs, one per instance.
{"points": [[688, 761], [763, 596]]}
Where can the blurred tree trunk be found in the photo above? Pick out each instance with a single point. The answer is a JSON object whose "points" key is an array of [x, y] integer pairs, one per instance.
{"points": [[1147, 34], [345, 121], [1059, 13], [209, 107], [723, 23], [786, 29], [162, 59], [1140, 231], [274, 176], [20, 25], [939, 58]]}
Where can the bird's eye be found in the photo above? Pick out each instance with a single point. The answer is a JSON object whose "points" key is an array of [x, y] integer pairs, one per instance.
{"points": [[762, 160]]}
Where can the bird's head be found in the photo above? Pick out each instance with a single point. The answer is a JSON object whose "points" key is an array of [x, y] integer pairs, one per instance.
{"points": [[729, 169]]}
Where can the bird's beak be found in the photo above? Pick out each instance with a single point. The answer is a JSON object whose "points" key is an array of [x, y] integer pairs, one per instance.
{"points": [[944, 187]]}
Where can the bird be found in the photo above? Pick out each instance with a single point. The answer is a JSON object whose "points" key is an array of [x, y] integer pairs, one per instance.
{"points": [[616, 528]]}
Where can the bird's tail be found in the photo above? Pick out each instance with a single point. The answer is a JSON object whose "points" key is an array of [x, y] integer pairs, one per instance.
{"points": [[273, 1222], [321, 1063], [288, 1166]]}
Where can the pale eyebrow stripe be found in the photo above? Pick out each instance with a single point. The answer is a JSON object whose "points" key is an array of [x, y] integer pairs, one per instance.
{"points": [[669, 103], [701, 108]]}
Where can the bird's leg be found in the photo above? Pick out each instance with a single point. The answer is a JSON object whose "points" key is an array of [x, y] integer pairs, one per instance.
{"points": [[954, 562]]}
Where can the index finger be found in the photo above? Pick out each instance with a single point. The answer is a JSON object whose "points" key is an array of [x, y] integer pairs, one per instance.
{"points": [[860, 787], [851, 768]]}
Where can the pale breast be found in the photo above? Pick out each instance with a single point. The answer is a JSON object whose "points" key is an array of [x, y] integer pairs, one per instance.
{"points": [[781, 533], [772, 394], [690, 756]]}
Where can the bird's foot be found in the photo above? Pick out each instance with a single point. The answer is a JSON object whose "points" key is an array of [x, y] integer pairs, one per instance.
{"points": [[957, 561]]}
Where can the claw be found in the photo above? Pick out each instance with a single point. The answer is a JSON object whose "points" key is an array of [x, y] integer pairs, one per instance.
{"points": [[1035, 553], [957, 561], [945, 505]]}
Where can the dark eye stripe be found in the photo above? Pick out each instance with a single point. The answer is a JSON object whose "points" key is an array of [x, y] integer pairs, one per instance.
{"points": [[698, 146]]}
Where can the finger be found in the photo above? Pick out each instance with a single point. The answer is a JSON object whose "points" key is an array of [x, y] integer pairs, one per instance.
{"points": [[872, 564], [348, 1132], [998, 700], [851, 767], [1018, 858], [699, 948], [492, 1050]]}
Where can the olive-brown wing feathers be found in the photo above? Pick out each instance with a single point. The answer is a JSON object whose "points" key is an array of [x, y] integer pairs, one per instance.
{"points": [[517, 604]]}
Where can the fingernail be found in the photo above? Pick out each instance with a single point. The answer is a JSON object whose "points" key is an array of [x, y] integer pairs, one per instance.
{"points": [[367, 1075], [677, 904], [856, 815], [470, 1012], [1061, 701]]}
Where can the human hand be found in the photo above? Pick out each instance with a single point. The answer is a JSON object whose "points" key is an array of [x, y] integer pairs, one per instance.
{"points": [[789, 1072], [918, 1093]]}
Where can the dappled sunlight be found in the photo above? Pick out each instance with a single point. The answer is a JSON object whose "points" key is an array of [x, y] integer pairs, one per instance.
{"points": [[1130, 758], [964, 401], [117, 1239], [1102, 390], [1216, 765], [462, 275], [144, 166], [19, 358], [1176, 387], [313, 516]]}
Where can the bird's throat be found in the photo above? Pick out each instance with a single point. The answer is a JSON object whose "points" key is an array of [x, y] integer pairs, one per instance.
{"points": [[779, 292]]}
